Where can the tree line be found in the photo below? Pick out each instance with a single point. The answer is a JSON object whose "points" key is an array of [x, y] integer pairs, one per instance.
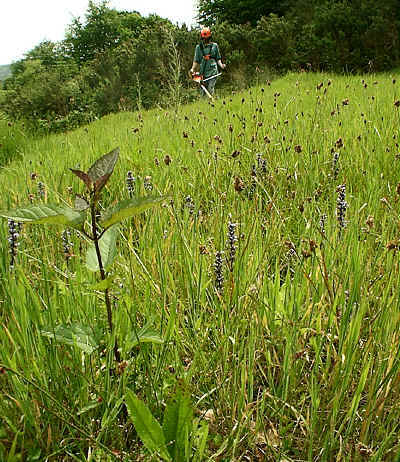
{"points": [[119, 60]]}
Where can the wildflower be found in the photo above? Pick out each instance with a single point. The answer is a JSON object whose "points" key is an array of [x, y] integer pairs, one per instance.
{"points": [[335, 167], [41, 189], [253, 183], [341, 205], [66, 243], [339, 143], [261, 163], [291, 254], [189, 204], [218, 272], [238, 185], [130, 183], [232, 240], [13, 235], [203, 249], [259, 159], [148, 185], [322, 222], [393, 245]]}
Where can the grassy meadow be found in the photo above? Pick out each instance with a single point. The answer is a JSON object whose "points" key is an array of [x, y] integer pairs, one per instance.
{"points": [[268, 279]]}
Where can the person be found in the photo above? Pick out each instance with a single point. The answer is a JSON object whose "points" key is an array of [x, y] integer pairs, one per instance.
{"points": [[207, 59]]}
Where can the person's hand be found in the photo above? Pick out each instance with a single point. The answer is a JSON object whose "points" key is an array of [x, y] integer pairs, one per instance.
{"points": [[223, 66]]}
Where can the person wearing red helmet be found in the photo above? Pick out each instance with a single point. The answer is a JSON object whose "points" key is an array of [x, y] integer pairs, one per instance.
{"points": [[207, 59]]}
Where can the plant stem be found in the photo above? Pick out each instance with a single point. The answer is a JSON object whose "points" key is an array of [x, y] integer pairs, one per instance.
{"points": [[103, 277]]}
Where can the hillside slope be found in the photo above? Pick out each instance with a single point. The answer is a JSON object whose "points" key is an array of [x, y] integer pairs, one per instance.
{"points": [[270, 272]]}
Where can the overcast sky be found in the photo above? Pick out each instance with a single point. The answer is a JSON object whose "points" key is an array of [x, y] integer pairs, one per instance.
{"points": [[26, 23]]}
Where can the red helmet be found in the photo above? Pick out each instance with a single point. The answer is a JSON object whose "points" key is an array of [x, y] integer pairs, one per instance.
{"points": [[205, 32]]}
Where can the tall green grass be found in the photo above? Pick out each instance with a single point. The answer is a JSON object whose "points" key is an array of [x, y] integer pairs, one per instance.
{"points": [[297, 358], [13, 140]]}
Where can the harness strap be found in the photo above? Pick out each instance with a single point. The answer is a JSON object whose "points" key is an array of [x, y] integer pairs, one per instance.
{"points": [[207, 57]]}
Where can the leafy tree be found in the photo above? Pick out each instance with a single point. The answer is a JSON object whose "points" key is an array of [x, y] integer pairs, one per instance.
{"points": [[239, 11], [342, 34], [103, 29]]}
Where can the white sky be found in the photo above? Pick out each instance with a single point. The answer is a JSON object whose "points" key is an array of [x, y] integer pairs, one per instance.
{"points": [[26, 23]]}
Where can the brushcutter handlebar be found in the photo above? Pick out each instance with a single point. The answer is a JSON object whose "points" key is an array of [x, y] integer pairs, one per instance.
{"points": [[212, 77], [198, 78]]}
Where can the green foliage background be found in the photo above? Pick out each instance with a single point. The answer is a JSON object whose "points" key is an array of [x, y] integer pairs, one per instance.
{"points": [[5, 71]]}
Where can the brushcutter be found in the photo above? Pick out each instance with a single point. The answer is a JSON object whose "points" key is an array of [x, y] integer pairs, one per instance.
{"points": [[198, 78]]}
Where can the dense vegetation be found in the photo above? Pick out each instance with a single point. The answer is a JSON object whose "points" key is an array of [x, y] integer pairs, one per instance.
{"points": [[256, 312], [5, 71], [118, 60], [240, 11]]}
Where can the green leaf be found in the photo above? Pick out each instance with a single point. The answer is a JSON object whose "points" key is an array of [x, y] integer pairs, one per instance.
{"points": [[108, 250], [50, 214], [201, 437], [12, 453], [177, 424], [146, 426], [144, 335], [76, 334], [127, 208], [81, 203], [103, 167], [91, 405], [102, 285]]}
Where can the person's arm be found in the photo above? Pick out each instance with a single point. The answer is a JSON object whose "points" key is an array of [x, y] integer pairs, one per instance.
{"points": [[195, 67], [196, 60], [221, 65]]}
